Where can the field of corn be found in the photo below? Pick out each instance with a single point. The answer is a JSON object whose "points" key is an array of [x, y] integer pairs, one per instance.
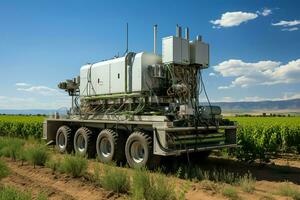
{"points": [[259, 138], [265, 137]]}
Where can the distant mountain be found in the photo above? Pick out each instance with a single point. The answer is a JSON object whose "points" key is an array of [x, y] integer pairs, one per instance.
{"points": [[30, 112], [292, 105], [289, 105]]}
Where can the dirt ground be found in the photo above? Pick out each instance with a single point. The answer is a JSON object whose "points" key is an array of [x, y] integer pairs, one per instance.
{"points": [[60, 186]]}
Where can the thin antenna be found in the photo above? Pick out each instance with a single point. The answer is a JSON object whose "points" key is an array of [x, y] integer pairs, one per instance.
{"points": [[126, 38]]}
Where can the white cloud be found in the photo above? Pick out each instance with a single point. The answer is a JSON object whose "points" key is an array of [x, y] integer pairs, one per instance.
{"points": [[265, 12], [212, 74], [230, 19], [22, 84], [258, 73], [42, 90], [11, 102], [287, 23], [290, 29]]}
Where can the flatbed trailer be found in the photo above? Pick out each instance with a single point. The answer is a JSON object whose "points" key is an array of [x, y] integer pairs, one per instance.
{"points": [[154, 136]]}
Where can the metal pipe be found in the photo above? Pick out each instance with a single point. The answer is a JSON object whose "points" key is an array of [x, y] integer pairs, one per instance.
{"points": [[199, 38], [178, 31], [155, 38], [187, 34], [126, 38]]}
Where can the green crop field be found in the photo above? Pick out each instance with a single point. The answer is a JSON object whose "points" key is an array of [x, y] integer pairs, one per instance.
{"points": [[265, 137], [260, 137], [21, 126]]}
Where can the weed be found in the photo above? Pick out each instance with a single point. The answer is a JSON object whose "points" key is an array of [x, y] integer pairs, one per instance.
{"points": [[54, 164], [288, 190], [4, 171], [37, 155], [247, 183], [9, 193], [11, 147], [151, 187], [75, 165], [210, 186], [230, 192], [115, 179]]}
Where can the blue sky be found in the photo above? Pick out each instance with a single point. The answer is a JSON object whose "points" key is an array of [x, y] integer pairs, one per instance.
{"points": [[255, 45]]}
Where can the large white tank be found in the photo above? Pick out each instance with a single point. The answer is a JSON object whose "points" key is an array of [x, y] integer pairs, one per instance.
{"points": [[110, 77]]}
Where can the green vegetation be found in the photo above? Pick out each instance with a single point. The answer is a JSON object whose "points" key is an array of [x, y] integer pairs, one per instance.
{"points": [[54, 164], [4, 171], [288, 190], [21, 126], [151, 187], [37, 155], [247, 183], [75, 165], [115, 179], [230, 192], [9, 193], [264, 137], [10, 147]]}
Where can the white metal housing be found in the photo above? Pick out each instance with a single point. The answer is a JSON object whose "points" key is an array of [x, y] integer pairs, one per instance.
{"points": [[175, 50], [108, 77]]}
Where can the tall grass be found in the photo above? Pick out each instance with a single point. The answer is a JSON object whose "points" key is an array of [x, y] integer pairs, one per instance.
{"points": [[151, 187], [115, 179], [11, 147], [74, 165], [37, 155], [4, 171], [9, 193], [288, 190]]}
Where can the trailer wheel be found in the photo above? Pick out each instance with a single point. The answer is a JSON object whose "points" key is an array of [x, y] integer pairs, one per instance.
{"points": [[139, 151], [84, 143], [110, 146], [64, 139]]}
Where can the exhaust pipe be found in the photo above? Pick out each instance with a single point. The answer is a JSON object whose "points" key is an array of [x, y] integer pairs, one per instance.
{"points": [[155, 38], [187, 34], [178, 31]]}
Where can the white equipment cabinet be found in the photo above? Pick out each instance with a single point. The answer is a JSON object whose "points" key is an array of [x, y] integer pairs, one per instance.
{"points": [[108, 77], [175, 50], [199, 53]]}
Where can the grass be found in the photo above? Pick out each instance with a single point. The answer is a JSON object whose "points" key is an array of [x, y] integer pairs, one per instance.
{"points": [[288, 190], [37, 155], [11, 147], [115, 179], [4, 171], [54, 164], [9, 193], [247, 183], [151, 187], [230, 192], [74, 165]]}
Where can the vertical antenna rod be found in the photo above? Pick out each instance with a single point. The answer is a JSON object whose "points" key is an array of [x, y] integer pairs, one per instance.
{"points": [[155, 38], [126, 38]]}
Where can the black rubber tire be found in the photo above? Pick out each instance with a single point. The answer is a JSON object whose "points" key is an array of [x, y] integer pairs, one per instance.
{"points": [[150, 160], [117, 144], [89, 148], [68, 135]]}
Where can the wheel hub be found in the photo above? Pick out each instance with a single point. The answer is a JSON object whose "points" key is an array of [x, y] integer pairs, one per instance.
{"points": [[137, 152], [80, 143], [61, 141], [105, 147]]}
